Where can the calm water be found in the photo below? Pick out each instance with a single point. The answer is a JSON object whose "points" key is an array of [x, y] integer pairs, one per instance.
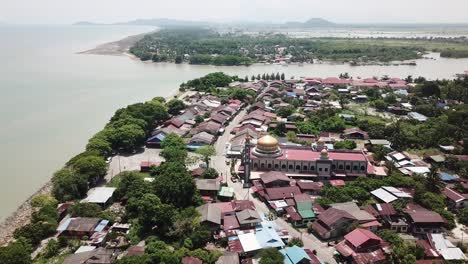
{"points": [[52, 100]]}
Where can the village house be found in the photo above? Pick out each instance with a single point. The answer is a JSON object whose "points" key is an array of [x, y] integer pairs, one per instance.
{"points": [[79, 227], [355, 133], [424, 221], [208, 188], [455, 199], [332, 223], [387, 214], [95, 256], [210, 216], [363, 247], [273, 179]]}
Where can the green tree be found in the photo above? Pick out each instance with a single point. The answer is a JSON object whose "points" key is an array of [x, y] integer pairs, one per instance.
{"points": [[175, 106], [42, 200], [18, 252], [345, 144], [52, 248], [131, 184], [295, 241], [433, 182], [174, 185], [127, 137], [286, 111], [67, 185], [150, 212], [92, 166], [270, 256], [85, 210], [463, 216], [380, 104], [206, 152], [100, 145], [210, 173], [282, 76]]}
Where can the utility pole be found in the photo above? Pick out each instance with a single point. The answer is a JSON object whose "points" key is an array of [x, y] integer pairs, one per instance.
{"points": [[246, 161]]}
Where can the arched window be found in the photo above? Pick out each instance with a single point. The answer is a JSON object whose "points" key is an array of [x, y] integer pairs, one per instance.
{"points": [[283, 166], [348, 167], [340, 167], [355, 167], [326, 169], [312, 168], [363, 168], [269, 165], [320, 169], [298, 167], [255, 165], [276, 166], [262, 165], [291, 166], [304, 168], [333, 166]]}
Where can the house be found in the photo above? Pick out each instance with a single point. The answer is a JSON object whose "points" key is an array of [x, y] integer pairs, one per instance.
{"points": [[417, 116], [351, 208], [209, 127], [230, 208], [445, 248], [387, 214], [96, 256], [270, 194], [200, 139], [220, 118], [99, 195], [272, 179], [332, 223], [248, 218], [208, 188], [424, 221], [304, 209], [355, 133], [363, 247], [146, 165], [389, 194], [309, 187], [210, 216], [295, 255], [377, 142], [455, 199], [81, 226]]}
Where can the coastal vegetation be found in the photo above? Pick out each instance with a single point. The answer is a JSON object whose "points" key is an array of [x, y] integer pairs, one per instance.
{"points": [[204, 46]]}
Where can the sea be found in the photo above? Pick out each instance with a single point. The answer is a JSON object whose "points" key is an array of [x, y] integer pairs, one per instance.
{"points": [[53, 99]]}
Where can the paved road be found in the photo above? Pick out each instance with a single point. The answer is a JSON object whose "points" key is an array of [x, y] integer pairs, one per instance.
{"points": [[218, 162]]}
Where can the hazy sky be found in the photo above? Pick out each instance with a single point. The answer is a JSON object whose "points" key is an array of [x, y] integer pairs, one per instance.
{"points": [[352, 11]]}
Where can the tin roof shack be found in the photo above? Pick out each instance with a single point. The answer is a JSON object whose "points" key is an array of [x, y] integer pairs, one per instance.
{"points": [[310, 187], [100, 195], [363, 247], [424, 221], [355, 133], [304, 209], [273, 179], [96, 256], [81, 226], [248, 218], [445, 248], [208, 188], [295, 255], [455, 199], [210, 216]]}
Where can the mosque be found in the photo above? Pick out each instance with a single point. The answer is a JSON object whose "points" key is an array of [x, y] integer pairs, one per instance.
{"points": [[306, 162]]}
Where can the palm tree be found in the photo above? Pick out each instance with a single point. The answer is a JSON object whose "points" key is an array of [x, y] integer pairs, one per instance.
{"points": [[433, 182]]}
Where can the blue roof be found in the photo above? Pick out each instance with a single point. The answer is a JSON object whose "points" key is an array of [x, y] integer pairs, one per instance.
{"points": [[447, 177], [294, 255], [268, 237], [63, 226], [291, 94], [101, 225], [157, 138]]}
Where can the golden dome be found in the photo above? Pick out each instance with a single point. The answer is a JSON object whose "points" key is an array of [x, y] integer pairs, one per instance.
{"points": [[267, 141], [324, 152]]}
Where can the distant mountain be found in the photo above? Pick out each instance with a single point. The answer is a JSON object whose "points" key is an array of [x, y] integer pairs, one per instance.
{"points": [[166, 22], [85, 23], [313, 22]]}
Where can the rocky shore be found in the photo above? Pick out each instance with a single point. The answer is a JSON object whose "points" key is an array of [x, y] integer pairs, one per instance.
{"points": [[21, 216]]}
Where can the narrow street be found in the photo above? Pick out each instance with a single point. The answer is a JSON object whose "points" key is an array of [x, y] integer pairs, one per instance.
{"points": [[218, 162]]}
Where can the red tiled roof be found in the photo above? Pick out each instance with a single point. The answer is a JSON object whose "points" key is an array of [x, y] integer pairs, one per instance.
{"points": [[230, 222], [293, 214], [319, 228], [360, 236], [462, 157], [240, 205], [337, 182], [428, 250], [419, 214], [453, 195], [371, 224], [303, 197], [281, 192], [334, 80], [309, 186]]}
